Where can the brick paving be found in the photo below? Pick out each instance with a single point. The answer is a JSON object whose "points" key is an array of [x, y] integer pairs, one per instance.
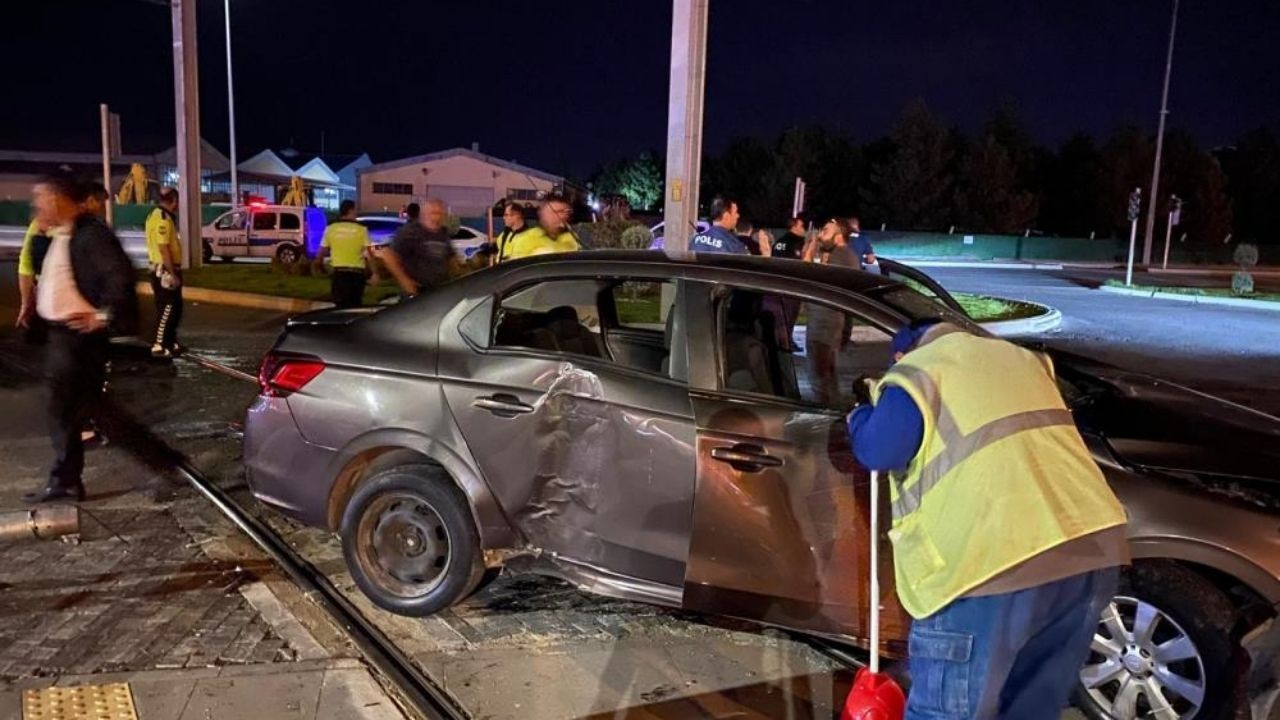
{"points": [[135, 592]]}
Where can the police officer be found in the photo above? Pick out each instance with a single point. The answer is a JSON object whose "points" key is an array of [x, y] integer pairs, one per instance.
{"points": [[164, 253], [515, 226], [1006, 538], [348, 242], [721, 237], [553, 234]]}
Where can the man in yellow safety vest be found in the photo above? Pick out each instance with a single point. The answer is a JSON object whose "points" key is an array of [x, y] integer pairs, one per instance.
{"points": [[1006, 537]]}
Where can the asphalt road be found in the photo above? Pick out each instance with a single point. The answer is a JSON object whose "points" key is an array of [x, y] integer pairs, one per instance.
{"points": [[1227, 351]]}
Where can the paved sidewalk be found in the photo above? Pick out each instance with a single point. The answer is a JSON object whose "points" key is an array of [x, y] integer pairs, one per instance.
{"points": [[324, 690], [166, 596]]}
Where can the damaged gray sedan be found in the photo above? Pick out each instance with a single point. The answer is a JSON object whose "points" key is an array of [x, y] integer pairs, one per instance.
{"points": [[670, 429]]}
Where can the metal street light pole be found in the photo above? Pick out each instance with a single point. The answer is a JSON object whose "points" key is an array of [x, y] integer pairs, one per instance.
{"points": [[1164, 112], [231, 107], [684, 120]]}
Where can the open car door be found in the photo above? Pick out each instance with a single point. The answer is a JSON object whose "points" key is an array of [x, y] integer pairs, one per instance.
{"points": [[781, 510], [920, 282]]}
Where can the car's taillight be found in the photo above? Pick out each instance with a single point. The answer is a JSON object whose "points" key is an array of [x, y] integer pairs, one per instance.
{"points": [[284, 374]]}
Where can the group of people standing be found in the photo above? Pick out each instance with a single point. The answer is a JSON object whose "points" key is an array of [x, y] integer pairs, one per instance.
{"points": [[420, 255], [837, 241]]}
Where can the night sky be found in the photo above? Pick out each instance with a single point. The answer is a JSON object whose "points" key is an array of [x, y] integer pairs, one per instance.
{"points": [[564, 86]]}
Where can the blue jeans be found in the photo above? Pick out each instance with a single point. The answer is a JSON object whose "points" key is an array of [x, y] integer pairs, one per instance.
{"points": [[1010, 656]]}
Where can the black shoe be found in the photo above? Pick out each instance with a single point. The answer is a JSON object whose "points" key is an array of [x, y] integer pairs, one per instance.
{"points": [[55, 493]]}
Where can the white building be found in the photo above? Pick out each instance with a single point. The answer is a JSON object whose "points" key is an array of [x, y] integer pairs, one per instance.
{"points": [[468, 181]]}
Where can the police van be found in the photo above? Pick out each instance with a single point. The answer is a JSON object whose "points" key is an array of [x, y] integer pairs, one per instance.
{"points": [[285, 232]]}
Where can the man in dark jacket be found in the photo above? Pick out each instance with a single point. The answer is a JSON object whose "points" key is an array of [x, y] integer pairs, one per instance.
{"points": [[420, 256], [86, 292]]}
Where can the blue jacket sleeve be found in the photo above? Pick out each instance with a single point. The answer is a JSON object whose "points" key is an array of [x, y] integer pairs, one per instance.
{"points": [[887, 436]]}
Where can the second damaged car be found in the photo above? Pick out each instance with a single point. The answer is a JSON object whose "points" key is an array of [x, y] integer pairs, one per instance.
{"points": [[670, 429]]}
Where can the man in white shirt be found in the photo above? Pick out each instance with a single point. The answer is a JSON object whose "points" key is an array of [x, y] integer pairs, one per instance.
{"points": [[86, 289]]}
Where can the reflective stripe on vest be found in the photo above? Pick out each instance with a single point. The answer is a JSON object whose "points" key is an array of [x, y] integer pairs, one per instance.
{"points": [[1001, 475]]}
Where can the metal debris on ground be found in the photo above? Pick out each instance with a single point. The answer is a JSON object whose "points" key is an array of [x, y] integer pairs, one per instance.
{"points": [[113, 701]]}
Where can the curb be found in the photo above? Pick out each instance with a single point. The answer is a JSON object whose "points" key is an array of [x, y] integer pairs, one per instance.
{"points": [[992, 265], [1269, 305], [242, 299], [1051, 319]]}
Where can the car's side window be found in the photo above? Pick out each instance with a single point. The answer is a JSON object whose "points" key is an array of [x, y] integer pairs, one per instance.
{"points": [[264, 221], [629, 323], [559, 316], [795, 349], [289, 221], [234, 221]]}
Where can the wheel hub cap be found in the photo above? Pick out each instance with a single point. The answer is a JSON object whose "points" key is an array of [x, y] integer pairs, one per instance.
{"points": [[1135, 662]]}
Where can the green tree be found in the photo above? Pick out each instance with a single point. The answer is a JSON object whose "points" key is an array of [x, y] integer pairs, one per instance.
{"points": [[1073, 196], [1252, 167], [911, 187], [989, 197], [1126, 164], [638, 179]]}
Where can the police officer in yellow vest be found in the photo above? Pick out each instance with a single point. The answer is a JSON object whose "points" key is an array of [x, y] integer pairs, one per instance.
{"points": [[1006, 538], [164, 253], [553, 234], [348, 242], [515, 226]]}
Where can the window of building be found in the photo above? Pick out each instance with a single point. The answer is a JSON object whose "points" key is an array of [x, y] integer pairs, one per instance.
{"points": [[289, 221], [381, 188], [522, 194], [788, 348], [264, 221]]}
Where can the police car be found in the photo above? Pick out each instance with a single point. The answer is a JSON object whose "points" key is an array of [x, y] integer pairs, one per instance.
{"points": [[285, 232]]}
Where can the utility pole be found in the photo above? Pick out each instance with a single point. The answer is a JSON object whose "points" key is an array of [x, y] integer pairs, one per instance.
{"points": [[1164, 113], [104, 115], [186, 105], [231, 107], [684, 120]]}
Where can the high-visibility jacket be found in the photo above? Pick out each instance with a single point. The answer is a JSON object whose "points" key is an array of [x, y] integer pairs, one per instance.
{"points": [[538, 242], [161, 228], [506, 239], [1001, 476]]}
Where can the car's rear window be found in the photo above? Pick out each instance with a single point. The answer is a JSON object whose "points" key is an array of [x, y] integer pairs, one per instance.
{"points": [[917, 306]]}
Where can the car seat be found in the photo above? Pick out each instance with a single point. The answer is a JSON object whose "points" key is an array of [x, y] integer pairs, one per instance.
{"points": [[570, 335]]}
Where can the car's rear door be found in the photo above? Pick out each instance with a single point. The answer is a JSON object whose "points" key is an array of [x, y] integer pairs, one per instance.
{"points": [[590, 455], [780, 519]]}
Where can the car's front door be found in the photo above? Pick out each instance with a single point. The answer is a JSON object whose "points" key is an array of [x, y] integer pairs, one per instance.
{"points": [[589, 454], [780, 521], [231, 235]]}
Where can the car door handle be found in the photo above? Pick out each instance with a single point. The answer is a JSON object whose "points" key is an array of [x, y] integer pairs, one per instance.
{"points": [[503, 404], [748, 458]]}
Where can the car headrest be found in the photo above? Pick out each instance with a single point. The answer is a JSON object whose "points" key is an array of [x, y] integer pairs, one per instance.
{"points": [[562, 313]]}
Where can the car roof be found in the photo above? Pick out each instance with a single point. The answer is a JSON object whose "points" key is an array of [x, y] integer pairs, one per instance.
{"points": [[388, 218], [849, 279]]}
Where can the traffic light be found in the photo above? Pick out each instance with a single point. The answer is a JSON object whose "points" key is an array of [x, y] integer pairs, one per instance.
{"points": [[1135, 204]]}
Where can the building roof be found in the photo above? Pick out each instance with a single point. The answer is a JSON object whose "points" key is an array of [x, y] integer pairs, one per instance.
{"points": [[462, 152], [267, 163]]}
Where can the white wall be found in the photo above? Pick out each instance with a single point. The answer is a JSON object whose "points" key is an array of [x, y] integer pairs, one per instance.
{"points": [[462, 179]]}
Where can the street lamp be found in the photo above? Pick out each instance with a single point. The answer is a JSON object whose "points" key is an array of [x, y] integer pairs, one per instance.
{"points": [[1164, 113], [231, 107]]}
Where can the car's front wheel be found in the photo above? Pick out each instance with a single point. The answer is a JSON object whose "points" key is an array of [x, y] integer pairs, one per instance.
{"points": [[410, 542], [1162, 650]]}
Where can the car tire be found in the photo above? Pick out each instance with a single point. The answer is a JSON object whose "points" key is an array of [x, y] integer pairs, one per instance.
{"points": [[206, 251], [225, 258], [288, 254], [410, 542], [1189, 611]]}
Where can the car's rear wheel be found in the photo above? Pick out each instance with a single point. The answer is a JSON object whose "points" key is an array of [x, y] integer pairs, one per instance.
{"points": [[410, 542], [206, 251], [1163, 650], [288, 254]]}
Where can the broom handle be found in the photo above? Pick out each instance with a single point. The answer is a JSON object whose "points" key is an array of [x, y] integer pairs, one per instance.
{"points": [[875, 572]]}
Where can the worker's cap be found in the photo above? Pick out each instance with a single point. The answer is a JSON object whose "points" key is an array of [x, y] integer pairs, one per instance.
{"points": [[909, 336]]}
